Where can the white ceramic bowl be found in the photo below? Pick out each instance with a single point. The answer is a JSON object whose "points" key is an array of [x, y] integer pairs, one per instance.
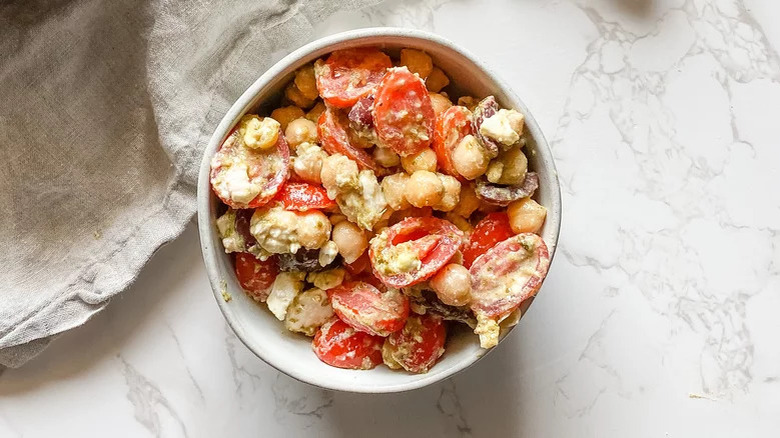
{"points": [[256, 326]]}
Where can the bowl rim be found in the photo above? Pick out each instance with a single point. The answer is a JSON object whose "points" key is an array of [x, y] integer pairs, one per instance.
{"points": [[206, 224]]}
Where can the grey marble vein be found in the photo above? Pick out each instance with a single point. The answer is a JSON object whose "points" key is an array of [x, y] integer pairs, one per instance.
{"points": [[185, 362], [148, 401], [449, 405], [239, 372]]}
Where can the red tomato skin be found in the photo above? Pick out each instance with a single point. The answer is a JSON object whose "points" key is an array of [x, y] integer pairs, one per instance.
{"points": [[332, 128], [491, 230], [302, 196], [348, 75], [403, 113], [255, 276], [369, 310], [339, 345], [435, 252], [451, 127], [359, 265], [272, 186], [419, 344]]}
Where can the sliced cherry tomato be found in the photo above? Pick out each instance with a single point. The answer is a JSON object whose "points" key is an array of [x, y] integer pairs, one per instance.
{"points": [[451, 127], [403, 114], [339, 345], [348, 75], [268, 169], [503, 278], [413, 250], [332, 128], [303, 196], [492, 229], [256, 276], [359, 265], [368, 309], [418, 345]]}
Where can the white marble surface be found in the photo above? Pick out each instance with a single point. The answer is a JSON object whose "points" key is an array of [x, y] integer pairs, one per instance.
{"points": [[660, 314]]}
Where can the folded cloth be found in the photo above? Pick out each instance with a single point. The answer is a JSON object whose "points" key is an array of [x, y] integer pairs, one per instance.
{"points": [[105, 108]]}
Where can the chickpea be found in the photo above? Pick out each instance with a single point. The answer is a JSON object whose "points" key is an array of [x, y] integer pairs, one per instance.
{"points": [[386, 157], [259, 133], [337, 170], [286, 114], [417, 62], [315, 113], [440, 103], [452, 285], [336, 218], [451, 194], [393, 187], [468, 201], [294, 95], [350, 239], [424, 189], [299, 131], [313, 229], [468, 101], [423, 160], [470, 158], [436, 80], [508, 168], [526, 216], [327, 279], [308, 163], [306, 82]]}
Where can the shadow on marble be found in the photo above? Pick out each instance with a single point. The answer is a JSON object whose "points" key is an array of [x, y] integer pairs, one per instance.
{"points": [[76, 352], [637, 8]]}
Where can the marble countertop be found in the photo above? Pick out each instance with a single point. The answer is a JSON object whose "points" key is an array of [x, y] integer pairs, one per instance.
{"points": [[658, 319]]}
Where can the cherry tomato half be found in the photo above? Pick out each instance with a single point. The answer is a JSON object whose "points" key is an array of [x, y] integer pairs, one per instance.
{"points": [[256, 276], [451, 127], [403, 114], [348, 75], [332, 127], [268, 169], [492, 229], [413, 250], [339, 345], [368, 309], [303, 196], [503, 278], [418, 345]]}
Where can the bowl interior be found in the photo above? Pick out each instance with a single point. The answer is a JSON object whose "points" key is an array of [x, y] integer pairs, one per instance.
{"points": [[255, 325]]}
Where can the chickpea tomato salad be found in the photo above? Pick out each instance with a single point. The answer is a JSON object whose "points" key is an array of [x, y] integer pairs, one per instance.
{"points": [[371, 213]]}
